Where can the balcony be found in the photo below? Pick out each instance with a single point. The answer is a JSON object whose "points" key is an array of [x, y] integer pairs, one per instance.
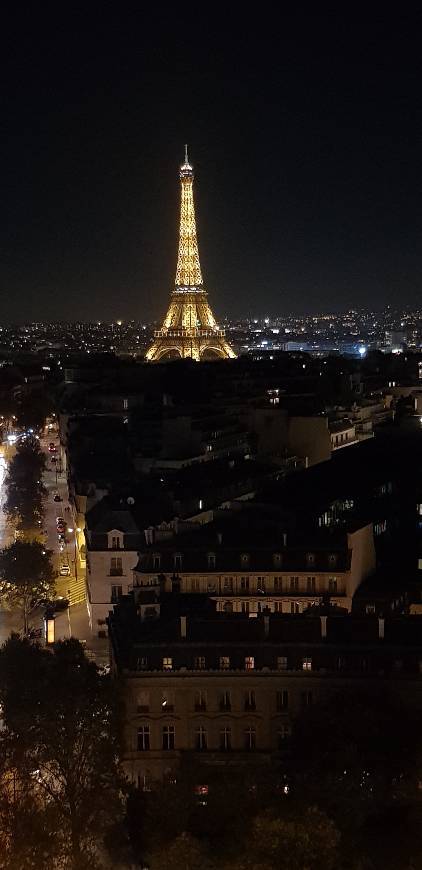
{"points": [[200, 707], [225, 706], [189, 333]]}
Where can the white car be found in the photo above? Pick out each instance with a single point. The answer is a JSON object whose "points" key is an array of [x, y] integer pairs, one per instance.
{"points": [[64, 571]]}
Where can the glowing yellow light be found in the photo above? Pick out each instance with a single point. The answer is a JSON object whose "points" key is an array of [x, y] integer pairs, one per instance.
{"points": [[189, 328]]}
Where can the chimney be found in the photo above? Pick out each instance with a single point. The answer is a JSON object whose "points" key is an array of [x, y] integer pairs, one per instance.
{"points": [[323, 627], [381, 627], [183, 626], [266, 625]]}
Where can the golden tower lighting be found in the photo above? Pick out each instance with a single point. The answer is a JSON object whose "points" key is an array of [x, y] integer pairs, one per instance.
{"points": [[189, 328]]}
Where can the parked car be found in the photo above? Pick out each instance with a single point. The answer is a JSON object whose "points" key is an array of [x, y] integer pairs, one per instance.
{"points": [[59, 604], [60, 520], [64, 571], [57, 497]]}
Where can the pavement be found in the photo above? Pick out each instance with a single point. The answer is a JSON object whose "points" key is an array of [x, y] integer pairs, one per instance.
{"points": [[73, 621]]}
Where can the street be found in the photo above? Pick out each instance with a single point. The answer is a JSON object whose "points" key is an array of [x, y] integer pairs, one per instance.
{"points": [[73, 620]]}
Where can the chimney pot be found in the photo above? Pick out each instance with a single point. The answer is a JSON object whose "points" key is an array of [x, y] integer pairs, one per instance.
{"points": [[183, 626], [323, 627], [381, 628]]}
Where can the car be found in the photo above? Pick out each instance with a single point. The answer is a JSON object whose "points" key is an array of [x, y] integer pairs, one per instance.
{"points": [[64, 571], [59, 604], [60, 520], [61, 528], [62, 539], [54, 459], [57, 497]]}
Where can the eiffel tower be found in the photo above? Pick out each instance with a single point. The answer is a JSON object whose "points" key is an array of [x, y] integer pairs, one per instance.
{"points": [[189, 328]]}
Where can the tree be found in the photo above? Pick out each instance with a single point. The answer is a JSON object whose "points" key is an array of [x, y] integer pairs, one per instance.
{"points": [[33, 410], [184, 853], [26, 576], [306, 841], [25, 489], [61, 728]]}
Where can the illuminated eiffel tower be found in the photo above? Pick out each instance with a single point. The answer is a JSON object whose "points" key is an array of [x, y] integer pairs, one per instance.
{"points": [[189, 328]]}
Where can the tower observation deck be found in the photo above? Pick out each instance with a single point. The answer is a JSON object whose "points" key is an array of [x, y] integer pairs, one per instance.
{"points": [[189, 328]]}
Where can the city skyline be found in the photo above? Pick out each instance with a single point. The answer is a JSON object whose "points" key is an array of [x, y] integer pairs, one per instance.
{"points": [[306, 145]]}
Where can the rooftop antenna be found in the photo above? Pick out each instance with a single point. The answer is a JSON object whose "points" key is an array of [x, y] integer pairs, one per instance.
{"points": [[186, 154]]}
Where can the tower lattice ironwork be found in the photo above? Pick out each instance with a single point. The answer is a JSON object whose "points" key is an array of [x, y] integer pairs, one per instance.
{"points": [[189, 328]]}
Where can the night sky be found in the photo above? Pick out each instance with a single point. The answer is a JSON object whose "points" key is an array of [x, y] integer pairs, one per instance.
{"points": [[304, 132]]}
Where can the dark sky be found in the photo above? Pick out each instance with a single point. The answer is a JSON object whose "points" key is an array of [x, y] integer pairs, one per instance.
{"points": [[304, 131]]}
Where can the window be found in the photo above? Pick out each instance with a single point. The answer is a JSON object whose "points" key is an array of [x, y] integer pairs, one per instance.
{"points": [[225, 700], [282, 663], [278, 584], [277, 558], [168, 737], [307, 664], [294, 584], [125, 404], [306, 698], [249, 663], [260, 586], [167, 663], [228, 584], [310, 584], [244, 584], [245, 606], [211, 561], [227, 607], [370, 608], [200, 701], [226, 739], [167, 701], [142, 663], [224, 663], [199, 663], [143, 738], [282, 700], [156, 561], [116, 566], [332, 559], [177, 561], [142, 704], [244, 558], [250, 700], [195, 584], [283, 734], [332, 584], [201, 741], [310, 558], [294, 607], [115, 543], [116, 593], [250, 738]]}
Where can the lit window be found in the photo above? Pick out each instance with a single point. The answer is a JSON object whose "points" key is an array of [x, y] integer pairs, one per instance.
{"points": [[249, 663], [250, 738], [307, 664], [224, 663], [168, 737], [167, 663], [143, 738]]}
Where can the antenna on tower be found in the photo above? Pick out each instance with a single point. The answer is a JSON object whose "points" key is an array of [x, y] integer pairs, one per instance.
{"points": [[186, 154]]}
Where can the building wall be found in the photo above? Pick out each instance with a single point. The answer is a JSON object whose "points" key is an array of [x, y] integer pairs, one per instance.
{"points": [[100, 578], [309, 438]]}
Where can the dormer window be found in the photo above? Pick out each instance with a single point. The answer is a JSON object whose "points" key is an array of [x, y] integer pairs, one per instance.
{"points": [[310, 558], [244, 559], [156, 561], [211, 561], [277, 558], [115, 540], [332, 558], [177, 561]]}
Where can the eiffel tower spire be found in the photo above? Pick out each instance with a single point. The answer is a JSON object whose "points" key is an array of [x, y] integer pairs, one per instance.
{"points": [[189, 328]]}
